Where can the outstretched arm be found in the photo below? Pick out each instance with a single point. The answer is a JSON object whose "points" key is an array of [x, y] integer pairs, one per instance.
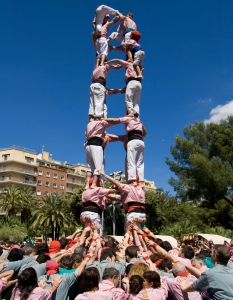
{"points": [[110, 179], [113, 60], [112, 120]]}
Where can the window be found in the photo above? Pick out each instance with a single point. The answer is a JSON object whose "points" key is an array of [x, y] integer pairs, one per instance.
{"points": [[83, 172], [54, 185], [73, 180], [3, 178], [72, 188], [46, 192], [54, 194], [55, 176], [40, 172], [62, 186], [29, 159], [47, 174], [47, 183], [62, 177], [26, 180], [5, 156], [38, 192], [39, 182]]}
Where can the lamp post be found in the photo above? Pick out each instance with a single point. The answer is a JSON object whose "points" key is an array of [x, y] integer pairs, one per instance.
{"points": [[117, 176]]}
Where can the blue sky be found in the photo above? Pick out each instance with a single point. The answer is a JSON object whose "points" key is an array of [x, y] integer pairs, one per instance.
{"points": [[47, 58]]}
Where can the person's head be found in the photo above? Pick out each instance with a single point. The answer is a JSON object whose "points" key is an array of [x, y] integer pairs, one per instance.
{"points": [[135, 284], [220, 254], [52, 267], [177, 268], [130, 15], [166, 246], [154, 257], [15, 254], [206, 253], [211, 242], [186, 252], [151, 280], [138, 269], [80, 250], [90, 279], [54, 247], [127, 269], [112, 275], [76, 259], [231, 242], [66, 262], [63, 242], [108, 255], [165, 265], [198, 261], [43, 248], [30, 249], [131, 252], [27, 282], [42, 258], [106, 18], [1, 251]]}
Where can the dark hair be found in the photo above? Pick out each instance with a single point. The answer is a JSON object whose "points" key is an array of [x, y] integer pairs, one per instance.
{"points": [[106, 254], [135, 284], [1, 251], [75, 257], [222, 254], [110, 273], [154, 257], [80, 250], [15, 254], [29, 248], [165, 263], [205, 252], [91, 278], [130, 14], [166, 246], [43, 248], [66, 262], [127, 269], [27, 282], [188, 252], [42, 258], [132, 251], [64, 242], [153, 277]]}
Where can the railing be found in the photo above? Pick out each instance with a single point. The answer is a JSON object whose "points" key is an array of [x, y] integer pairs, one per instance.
{"points": [[78, 182], [76, 173], [18, 180], [19, 170], [19, 148]]}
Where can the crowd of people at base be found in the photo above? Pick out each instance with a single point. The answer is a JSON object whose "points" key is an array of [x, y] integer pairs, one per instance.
{"points": [[100, 268]]}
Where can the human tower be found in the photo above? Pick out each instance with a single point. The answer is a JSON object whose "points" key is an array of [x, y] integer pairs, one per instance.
{"points": [[132, 194]]}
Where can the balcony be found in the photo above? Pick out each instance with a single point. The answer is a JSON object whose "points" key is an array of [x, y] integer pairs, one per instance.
{"points": [[70, 190], [22, 181], [75, 182], [17, 170], [76, 174]]}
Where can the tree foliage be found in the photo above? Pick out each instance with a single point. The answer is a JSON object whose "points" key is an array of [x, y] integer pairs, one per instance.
{"points": [[203, 163]]}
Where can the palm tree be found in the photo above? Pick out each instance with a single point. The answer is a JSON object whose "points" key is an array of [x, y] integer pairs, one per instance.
{"points": [[51, 213], [28, 202], [10, 200]]}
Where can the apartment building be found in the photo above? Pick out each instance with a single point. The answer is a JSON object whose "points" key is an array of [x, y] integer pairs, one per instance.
{"points": [[25, 168]]}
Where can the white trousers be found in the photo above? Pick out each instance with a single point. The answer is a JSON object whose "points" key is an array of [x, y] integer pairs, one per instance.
{"points": [[94, 217], [138, 58], [120, 36], [132, 96], [101, 47], [97, 105], [101, 12], [135, 159], [94, 159], [140, 218]]}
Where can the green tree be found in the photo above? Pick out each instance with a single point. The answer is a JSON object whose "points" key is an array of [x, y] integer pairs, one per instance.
{"points": [[203, 163], [51, 213], [10, 200]]}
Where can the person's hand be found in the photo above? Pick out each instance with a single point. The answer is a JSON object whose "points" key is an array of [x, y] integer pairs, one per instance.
{"points": [[100, 172], [116, 35], [42, 283], [181, 283], [3, 266], [56, 281], [110, 48]]}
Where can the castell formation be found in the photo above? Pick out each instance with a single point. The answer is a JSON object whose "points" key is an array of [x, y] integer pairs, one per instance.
{"points": [[132, 194]]}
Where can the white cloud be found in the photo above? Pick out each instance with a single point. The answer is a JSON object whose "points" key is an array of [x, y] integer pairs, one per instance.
{"points": [[205, 100], [220, 112]]}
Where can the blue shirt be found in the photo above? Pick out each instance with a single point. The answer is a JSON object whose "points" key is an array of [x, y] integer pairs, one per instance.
{"points": [[217, 281]]}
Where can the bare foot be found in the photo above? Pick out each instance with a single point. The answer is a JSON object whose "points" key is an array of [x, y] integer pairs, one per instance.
{"points": [[93, 186]]}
